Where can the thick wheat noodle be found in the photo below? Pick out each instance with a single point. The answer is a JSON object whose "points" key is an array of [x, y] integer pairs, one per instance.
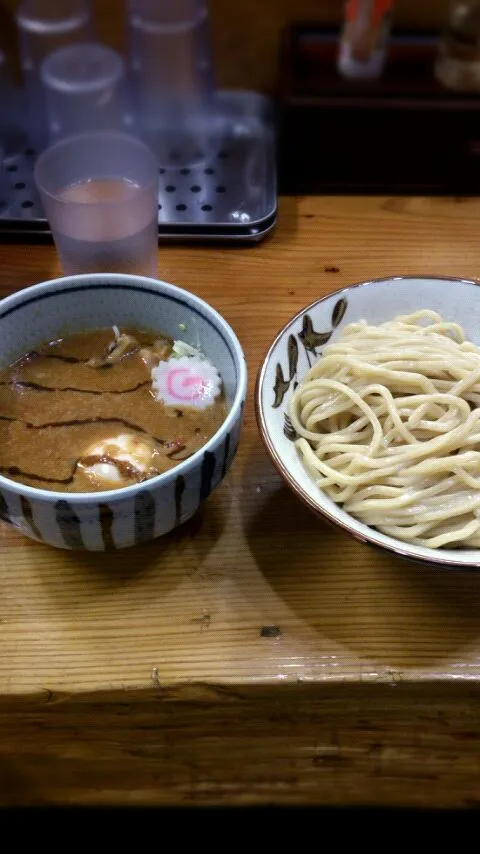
{"points": [[388, 426]]}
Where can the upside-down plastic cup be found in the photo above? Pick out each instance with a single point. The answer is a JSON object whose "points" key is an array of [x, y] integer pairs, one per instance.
{"points": [[3, 181], [12, 112], [84, 89], [172, 76], [43, 26], [99, 191]]}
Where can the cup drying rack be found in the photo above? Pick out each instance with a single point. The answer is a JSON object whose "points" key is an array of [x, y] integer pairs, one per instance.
{"points": [[226, 194]]}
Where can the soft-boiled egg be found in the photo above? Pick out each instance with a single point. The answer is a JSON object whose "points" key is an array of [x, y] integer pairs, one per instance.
{"points": [[118, 459]]}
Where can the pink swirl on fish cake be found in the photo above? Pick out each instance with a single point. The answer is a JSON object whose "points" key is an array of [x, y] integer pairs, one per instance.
{"points": [[186, 381]]}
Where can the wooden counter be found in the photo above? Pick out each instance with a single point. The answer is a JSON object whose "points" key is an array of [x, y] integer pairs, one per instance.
{"points": [[255, 656]]}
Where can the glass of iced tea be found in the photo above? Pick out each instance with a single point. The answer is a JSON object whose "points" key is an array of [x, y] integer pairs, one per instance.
{"points": [[99, 191]]}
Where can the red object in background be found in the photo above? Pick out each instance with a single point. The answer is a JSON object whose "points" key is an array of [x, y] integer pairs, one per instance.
{"points": [[379, 9], [363, 44], [402, 133]]}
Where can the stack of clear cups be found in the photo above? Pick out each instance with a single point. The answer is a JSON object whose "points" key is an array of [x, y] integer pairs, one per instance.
{"points": [[172, 78], [43, 26]]}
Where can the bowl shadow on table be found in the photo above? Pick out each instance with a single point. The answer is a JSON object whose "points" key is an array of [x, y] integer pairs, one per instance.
{"points": [[77, 579], [385, 610]]}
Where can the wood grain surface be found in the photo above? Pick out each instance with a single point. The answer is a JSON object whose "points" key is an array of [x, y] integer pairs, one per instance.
{"points": [[255, 655]]}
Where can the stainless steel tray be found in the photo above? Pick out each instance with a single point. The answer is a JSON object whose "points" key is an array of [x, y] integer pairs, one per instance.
{"points": [[230, 195]]}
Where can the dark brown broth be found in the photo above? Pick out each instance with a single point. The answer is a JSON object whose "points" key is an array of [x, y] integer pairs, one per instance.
{"points": [[54, 405]]}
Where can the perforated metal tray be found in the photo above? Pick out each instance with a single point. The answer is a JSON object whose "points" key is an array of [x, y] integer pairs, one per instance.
{"points": [[229, 195]]}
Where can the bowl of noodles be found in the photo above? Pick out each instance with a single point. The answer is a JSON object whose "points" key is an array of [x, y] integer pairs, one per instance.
{"points": [[368, 402]]}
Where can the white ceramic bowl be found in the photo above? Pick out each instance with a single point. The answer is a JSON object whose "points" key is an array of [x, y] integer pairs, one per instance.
{"points": [[118, 518], [300, 343]]}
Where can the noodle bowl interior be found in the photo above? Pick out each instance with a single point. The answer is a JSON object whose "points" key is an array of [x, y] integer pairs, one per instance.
{"points": [[388, 424], [105, 408]]}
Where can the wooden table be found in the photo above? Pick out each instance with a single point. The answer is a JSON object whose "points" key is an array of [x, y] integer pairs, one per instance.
{"points": [[256, 656]]}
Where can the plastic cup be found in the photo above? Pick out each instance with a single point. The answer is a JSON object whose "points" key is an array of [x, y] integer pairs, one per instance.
{"points": [[43, 26], [12, 112], [172, 77], [3, 181], [99, 192], [84, 89]]}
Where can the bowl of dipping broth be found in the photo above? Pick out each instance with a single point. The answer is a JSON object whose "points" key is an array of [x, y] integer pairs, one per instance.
{"points": [[121, 403], [368, 402]]}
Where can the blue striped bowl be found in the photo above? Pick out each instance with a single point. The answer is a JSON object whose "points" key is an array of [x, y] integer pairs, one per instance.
{"points": [[97, 521]]}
